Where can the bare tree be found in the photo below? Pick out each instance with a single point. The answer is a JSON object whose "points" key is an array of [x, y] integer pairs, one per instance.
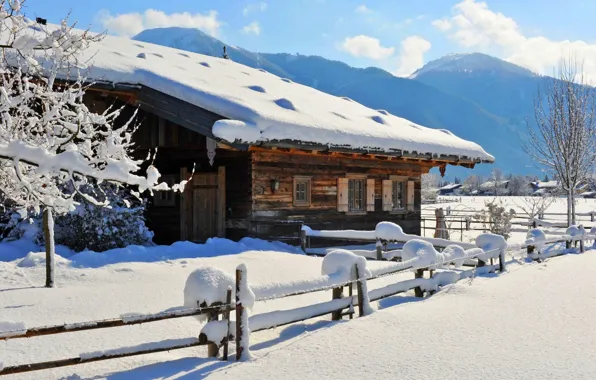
{"points": [[535, 207], [472, 183], [563, 142], [429, 186], [496, 177]]}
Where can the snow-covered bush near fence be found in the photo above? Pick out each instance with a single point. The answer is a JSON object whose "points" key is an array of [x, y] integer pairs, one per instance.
{"points": [[99, 228], [491, 244]]}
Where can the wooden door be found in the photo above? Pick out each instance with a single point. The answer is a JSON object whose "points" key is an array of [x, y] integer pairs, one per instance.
{"points": [[202, 213]]}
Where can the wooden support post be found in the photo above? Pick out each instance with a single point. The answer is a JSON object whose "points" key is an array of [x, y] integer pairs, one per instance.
{"points": [[351, 295], [239, 316], [567, 244], [502, 260], [379, 247], [591, 216], [418, 290], [212, 347], [338, 293], [227, 318], [360, 292], [581, 245], [303, 240]]}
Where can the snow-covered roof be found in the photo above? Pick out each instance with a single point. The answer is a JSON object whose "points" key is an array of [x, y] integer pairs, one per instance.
{"points": [[262, 107], [546, 185], [451, 186], [491, 184]]}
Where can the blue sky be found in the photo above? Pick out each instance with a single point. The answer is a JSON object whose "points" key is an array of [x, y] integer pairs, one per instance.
{"points": [[396, 35]]}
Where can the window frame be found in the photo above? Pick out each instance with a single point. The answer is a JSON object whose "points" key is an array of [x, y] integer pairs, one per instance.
{"points": [[362, 179], [404, 196], [165, 198], [307, 180]]}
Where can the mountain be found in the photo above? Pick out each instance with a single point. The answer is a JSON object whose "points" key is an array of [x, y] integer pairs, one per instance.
{"points": [[195, 41], [502, 88], [427, 98]]}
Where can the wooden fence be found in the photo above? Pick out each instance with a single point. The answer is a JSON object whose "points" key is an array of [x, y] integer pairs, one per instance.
{"points": [[426, 281]]}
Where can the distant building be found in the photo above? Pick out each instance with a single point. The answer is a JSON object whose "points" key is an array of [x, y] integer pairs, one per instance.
{"points": [[490, 188], [450, 189]]}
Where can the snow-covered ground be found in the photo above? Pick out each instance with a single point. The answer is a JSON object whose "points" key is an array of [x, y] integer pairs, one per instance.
{"points": [[531, 322]]}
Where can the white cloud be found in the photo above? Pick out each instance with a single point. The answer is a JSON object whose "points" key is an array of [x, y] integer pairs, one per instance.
{"points": [[411, 55], [129, 24], [257, 7], [475, 25], [362, 9], [365, 46], [442, 24], [252, 28]]}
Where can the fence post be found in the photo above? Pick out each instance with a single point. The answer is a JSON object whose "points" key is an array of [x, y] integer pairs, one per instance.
{"points": [[502, 260], [303, 240], [337, 293], [418, 290], [227, 318], [212, 348], [592, 216], [379, 247], [581, 245], [241, 316]]}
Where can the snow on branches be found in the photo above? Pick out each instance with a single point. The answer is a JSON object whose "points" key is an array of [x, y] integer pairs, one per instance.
{"points": [[51, 145]]}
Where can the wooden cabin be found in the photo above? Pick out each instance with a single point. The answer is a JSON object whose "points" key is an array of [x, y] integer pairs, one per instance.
{"points": [[267, 188]]}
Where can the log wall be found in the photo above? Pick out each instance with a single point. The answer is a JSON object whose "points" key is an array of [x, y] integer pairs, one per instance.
{"points": [[325, 169]]}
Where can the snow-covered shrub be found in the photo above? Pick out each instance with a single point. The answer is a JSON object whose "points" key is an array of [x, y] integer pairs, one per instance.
{"points": [[100, 228], [496, 218]]}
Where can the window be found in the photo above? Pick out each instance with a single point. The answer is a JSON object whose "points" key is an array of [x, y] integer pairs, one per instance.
{"points": [[165, 198], [302, 187], [356, 194], [398, 192]]}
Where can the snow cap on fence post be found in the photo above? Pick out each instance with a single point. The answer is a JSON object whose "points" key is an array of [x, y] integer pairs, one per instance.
{"points": [[244, 297], [420, 253], [493, 246], [536, 238], [206, 286], [389, 231]]}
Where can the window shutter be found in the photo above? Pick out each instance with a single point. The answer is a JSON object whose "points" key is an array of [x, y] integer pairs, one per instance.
{"points": [[387, 195], [370, 195], [342, 194], [410, 196]]}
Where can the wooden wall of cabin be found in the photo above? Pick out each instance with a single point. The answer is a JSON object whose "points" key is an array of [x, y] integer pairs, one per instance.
{"points": [[180, 147], [322, 213]]}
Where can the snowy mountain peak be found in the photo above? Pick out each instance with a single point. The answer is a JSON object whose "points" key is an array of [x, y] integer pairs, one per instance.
{"points": [[471, 62]]}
